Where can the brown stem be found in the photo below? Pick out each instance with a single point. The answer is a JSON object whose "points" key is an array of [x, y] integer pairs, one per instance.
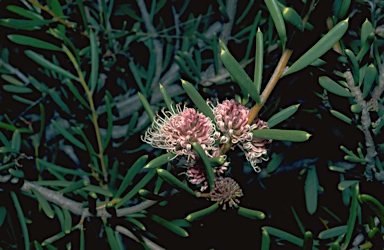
{"points": [[271, 85], [60, 20]]}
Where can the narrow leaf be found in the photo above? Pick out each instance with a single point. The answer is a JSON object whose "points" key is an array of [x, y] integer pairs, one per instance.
{"points": [[171, 179], [250, 213], [282, 135], [67, 135], [169, 225], [238, 73], [43, 203], [49, 65], [282, 115], [310, 190], [208, 167], [34, 42], [333, 87], [196, 98], [201, 213], [278, 20], [319, 49]]}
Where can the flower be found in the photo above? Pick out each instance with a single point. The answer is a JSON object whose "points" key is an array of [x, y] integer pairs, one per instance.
{"points": [[256, 148], [178, 129], [226, 191], [197, 174], [231, 119]]}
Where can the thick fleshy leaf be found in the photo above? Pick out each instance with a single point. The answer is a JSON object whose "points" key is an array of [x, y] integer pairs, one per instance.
{"points": [[333, 232], [278, 20], [282, 135], [282, 115], [201, 213], [147, 178], [49, 65], [197, 99], [132, 172], [171, 179], [319, 49], [207, 164], [310, 190], [34, 42], [374, 205], [250, 213], [284, 235], [43, 203], [333, 87], [169, 225], [238, 73]]}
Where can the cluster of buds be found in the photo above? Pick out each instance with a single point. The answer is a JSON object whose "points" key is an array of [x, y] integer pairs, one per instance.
{"points": [[177, 129]]}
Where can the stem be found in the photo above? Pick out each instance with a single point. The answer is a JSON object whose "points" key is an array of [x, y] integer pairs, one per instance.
{"points": [[94, 114], [271, 85], [60, 20]]}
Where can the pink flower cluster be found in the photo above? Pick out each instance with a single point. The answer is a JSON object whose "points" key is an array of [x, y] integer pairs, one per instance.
{"points": [[175, 131]]}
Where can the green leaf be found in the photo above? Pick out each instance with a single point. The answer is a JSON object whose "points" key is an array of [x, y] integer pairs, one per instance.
{"points": [[169, 225], [332, 232], [67, 135], [49, 65], [346, 184], [201, 213], [250, 213], [352, 215], [275, 162], [292, 17], [147, 107], [282, 115], [74, 186], [374, 205], [310, 190], [16, 140], [341, 116], [12, 80], [34, 42], [208, 167], [333, 87], [259, 57], [284, 235], [320, 48], [366, 30], [67, 221], [94, 62], [21, 219], [3, 214], [132, 172], [111, 238], [308, 240], [144, 181], [171, 179], [24, 24], [265, 240], [98, 190], [49, 165], [369, 79], [44, 204], [196, 98], [17, 89], [278, 20], [23, 12], [238, 73], [282, 135], [167, 99], [160, 160]]}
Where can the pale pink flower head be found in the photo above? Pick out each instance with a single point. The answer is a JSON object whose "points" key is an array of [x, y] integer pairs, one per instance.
{"points": [[256, 149], [231, 119], [197, 174], [226, 191], [178, 128]]}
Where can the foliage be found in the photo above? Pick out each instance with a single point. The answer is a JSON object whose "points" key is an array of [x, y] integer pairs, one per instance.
{"points": [[81, 82]]}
